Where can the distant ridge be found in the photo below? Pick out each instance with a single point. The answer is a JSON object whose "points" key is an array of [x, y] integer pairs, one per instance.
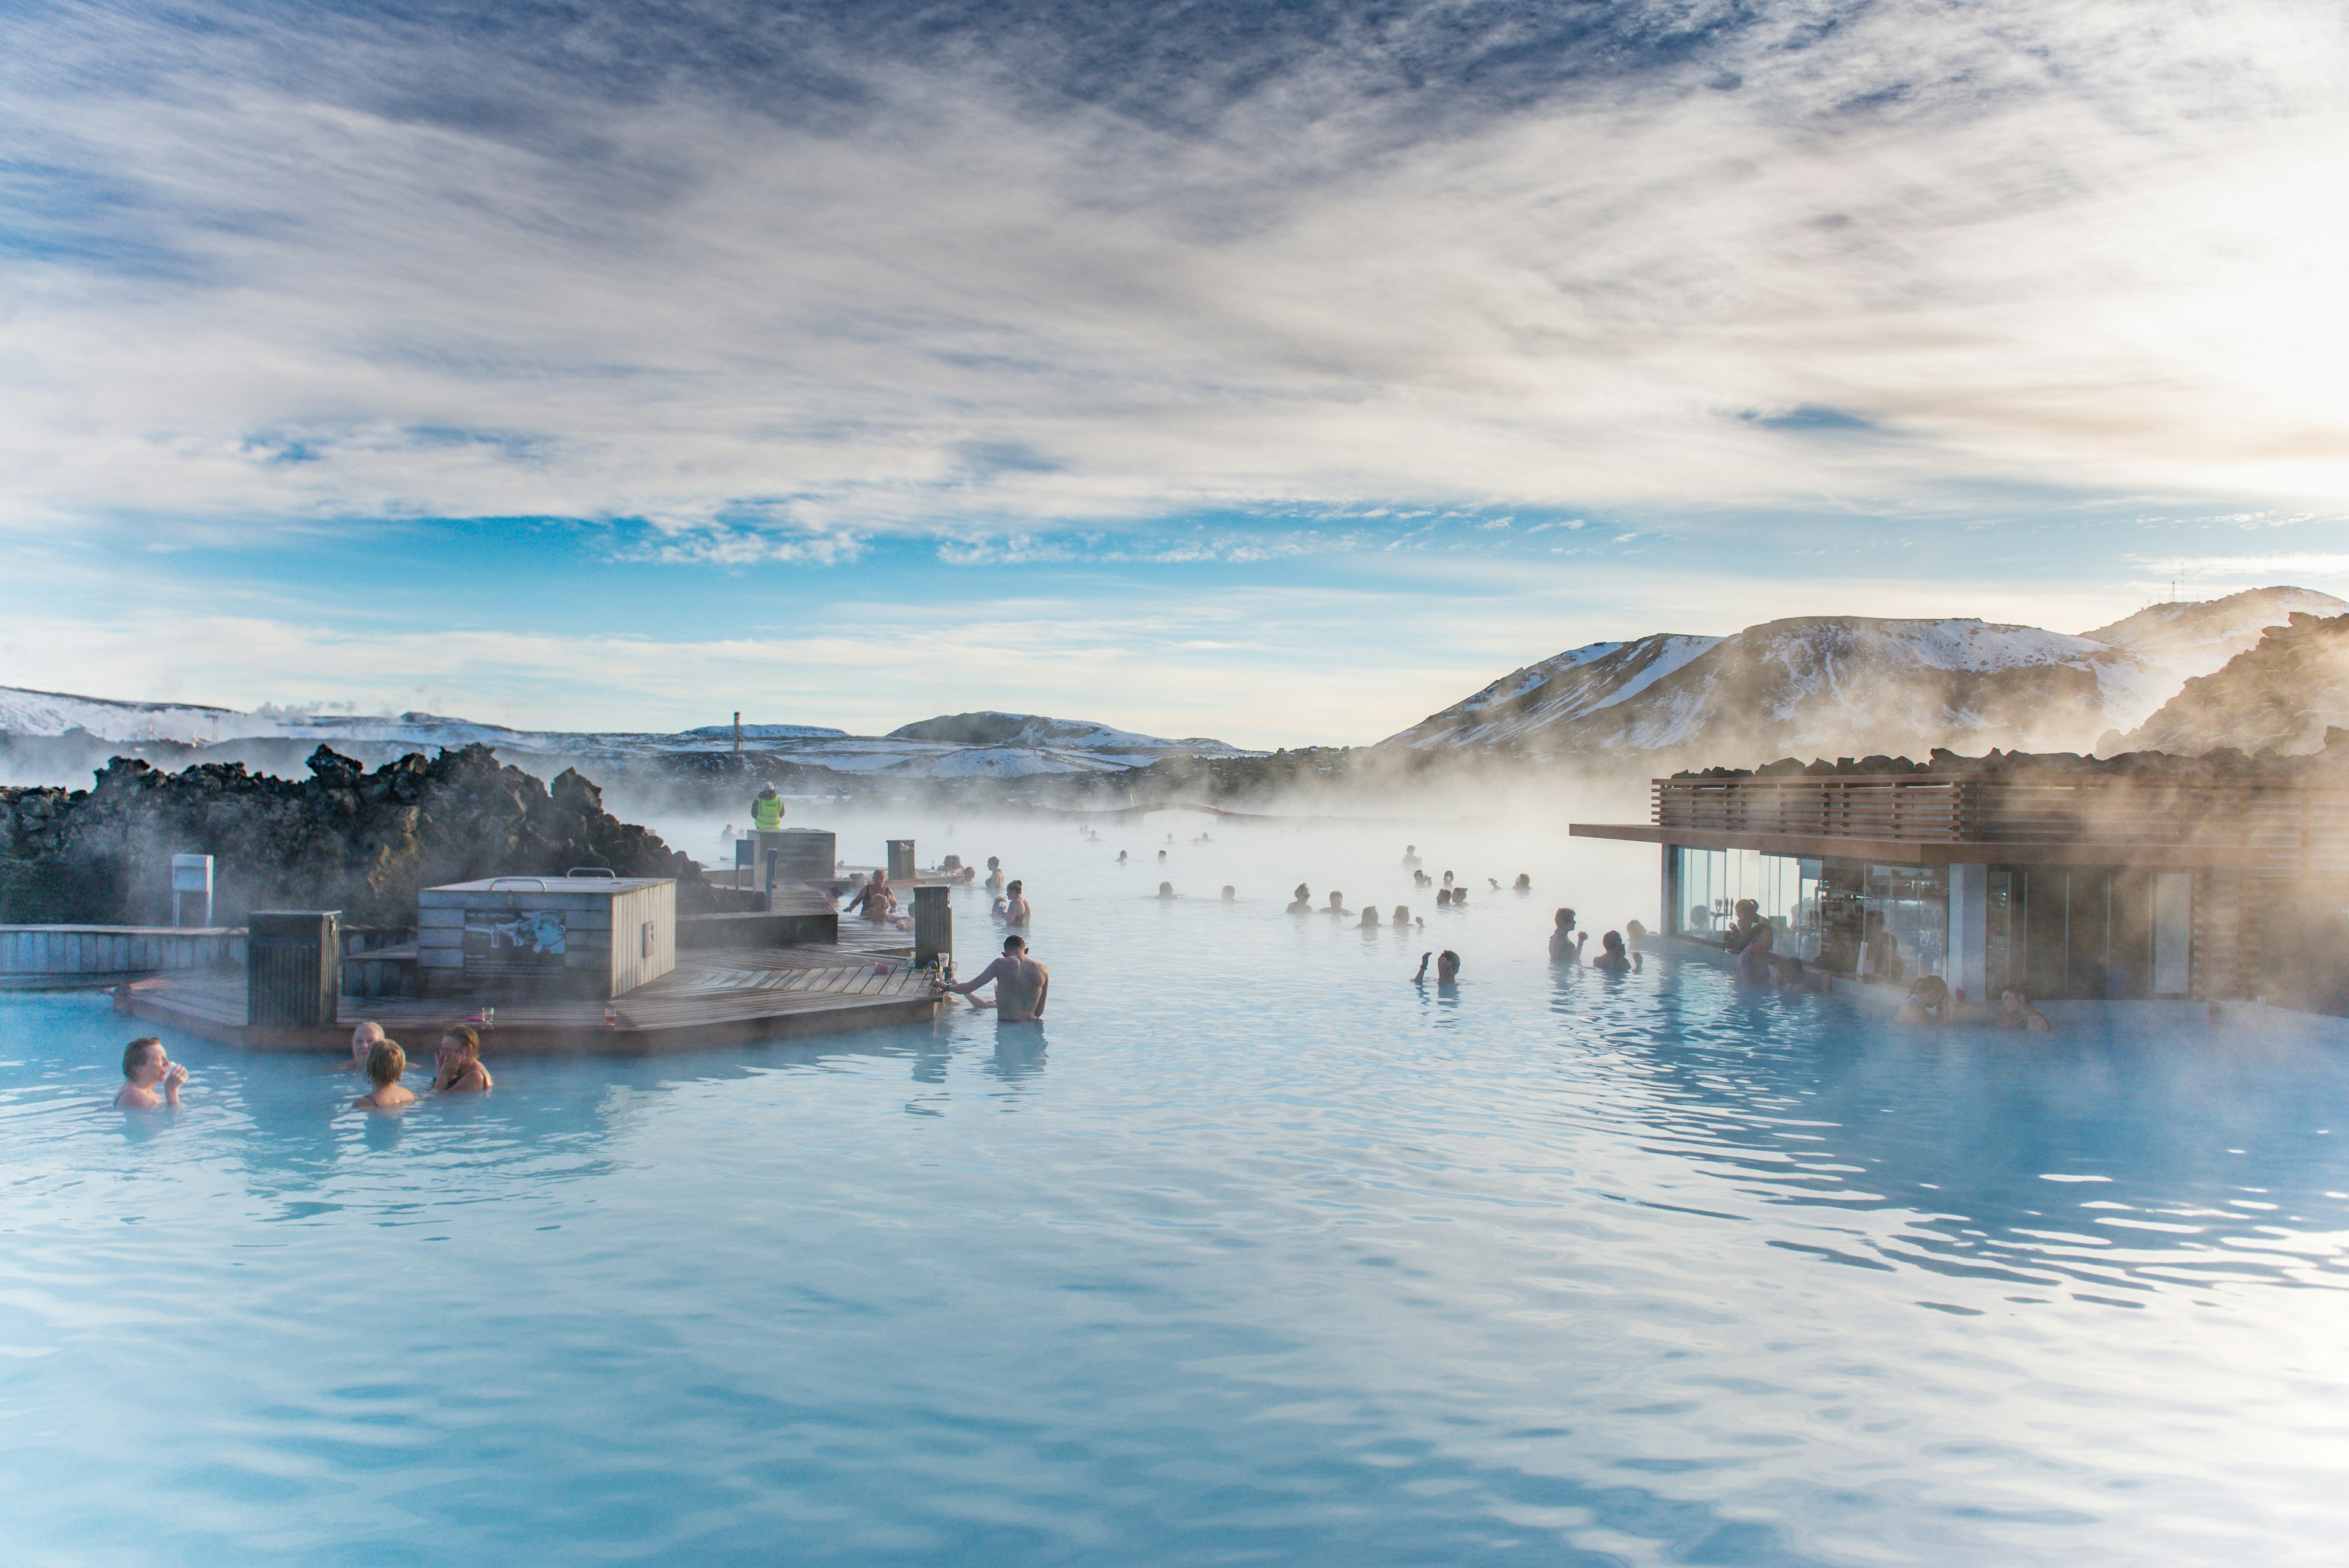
{"points": [[1833, 685]]}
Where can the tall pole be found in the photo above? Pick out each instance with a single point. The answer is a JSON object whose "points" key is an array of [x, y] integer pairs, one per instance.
{"points": [[738, 731]]}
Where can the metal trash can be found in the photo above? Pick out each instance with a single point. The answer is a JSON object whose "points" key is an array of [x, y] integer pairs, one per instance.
{"points": [[901, 860], [191, 890], [292, 967], [933, 926]]}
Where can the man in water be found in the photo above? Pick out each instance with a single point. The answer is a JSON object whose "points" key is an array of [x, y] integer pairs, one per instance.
{"points": [[995, 873], [1447, 968], [1411, 854], [1337, 905], [1166, 890], [1016, 909], [1231, 894], [146, 1065], [1021, 984], [1301, 901], [1611, 956], [1565, 946]]}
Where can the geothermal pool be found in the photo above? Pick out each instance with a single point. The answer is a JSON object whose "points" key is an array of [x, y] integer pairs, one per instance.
{"points": [[1258, 1254]]}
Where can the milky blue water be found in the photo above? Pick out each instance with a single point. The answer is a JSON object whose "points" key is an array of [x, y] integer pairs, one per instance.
{"points": [[1258, 1254]]}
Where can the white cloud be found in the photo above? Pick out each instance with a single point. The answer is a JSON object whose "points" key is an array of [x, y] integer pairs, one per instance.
{"points": [[2090, 247]]}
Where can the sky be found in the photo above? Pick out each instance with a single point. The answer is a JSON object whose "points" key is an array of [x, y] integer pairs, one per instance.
{"points": [[1280, 373]]}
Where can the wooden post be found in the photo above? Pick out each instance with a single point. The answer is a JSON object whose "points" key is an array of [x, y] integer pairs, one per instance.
{"points": [[738, 731]]}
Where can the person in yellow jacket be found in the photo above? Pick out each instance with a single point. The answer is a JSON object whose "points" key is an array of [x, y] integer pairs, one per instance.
{"points": [[767, 811]]}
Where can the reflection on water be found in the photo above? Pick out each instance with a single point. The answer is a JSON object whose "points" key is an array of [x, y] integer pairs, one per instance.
{"points": [[1272, 1254]]}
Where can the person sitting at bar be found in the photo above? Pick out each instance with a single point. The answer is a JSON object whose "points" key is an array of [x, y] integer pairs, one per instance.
{"points": [[1929, 1001], [386, 1063], [1565, 946], [2015, 1012], [146, 1064], [1021, 984], [1754, 956], [1748, 918], [1791, 974], [364, 1040], [457, 1063], [1611, 956], [1879, 955]]}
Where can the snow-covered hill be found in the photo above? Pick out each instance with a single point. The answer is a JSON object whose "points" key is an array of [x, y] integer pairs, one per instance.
{"points": [[2284, 694], [1853, 685], [968, 746]]}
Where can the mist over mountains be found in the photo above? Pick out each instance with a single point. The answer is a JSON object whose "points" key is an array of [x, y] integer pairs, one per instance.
{"points": [[1856, 685], [2267, 667]]}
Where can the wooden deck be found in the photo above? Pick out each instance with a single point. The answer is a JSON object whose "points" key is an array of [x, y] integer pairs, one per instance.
{"points": [[715, 997]]}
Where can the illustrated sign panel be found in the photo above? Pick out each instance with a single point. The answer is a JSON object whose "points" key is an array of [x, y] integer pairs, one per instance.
{"points": [[528, 941]]}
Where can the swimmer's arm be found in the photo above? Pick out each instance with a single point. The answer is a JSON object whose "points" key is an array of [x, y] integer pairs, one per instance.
{"points": [[1421, 975], [966, 987], [1043, 991], [172, 1082], [1637, 960]]}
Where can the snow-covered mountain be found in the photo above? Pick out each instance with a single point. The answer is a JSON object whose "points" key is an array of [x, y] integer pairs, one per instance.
{"points": [[2283, 694], [966, 745], [1854, 685]]}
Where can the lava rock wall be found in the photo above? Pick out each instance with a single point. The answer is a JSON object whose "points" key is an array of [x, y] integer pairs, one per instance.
{"points": [[345, 838]]}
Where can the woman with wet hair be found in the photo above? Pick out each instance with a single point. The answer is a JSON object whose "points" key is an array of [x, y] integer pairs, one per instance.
{"points": [[457, 1062], [386, 1063], [1928, 1000]]}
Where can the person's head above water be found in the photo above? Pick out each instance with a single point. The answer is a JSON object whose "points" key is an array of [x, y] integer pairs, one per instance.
{"points": [[1401, 915], [1015, 946], [1447, 965], [1565, 920], [385, 1063], [364, 1039], [459, 1043], [1613, 942], [995, 863], [1302, 891], [1166, 889], [136, 1057], [1230, 893], [1161, 857], [1369, 914], [1336, 900], [1013, 887], [1930, 991]]}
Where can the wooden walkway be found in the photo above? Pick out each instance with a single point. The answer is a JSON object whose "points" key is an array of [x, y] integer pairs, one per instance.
{"points": [[714, 997]]}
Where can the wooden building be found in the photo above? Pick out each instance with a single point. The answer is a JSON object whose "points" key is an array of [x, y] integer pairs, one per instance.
{"points": [[2144, 876]]}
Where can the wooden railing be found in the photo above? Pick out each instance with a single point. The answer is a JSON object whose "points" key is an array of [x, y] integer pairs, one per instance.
{"points": [[2297, 825]]}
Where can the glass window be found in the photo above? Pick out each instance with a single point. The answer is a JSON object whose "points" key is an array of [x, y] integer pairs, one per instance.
{"points": [[1905, 923], [2173, 933]]}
